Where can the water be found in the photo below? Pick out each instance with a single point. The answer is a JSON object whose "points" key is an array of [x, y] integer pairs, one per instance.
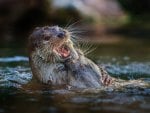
{"points": [[128, 60]]}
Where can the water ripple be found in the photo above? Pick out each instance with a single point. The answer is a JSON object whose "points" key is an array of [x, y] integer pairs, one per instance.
{"points": [[133, 70], [13, 59], [14, 77]]}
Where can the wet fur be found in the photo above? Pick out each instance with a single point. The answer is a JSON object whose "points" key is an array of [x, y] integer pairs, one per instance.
{"points": [[75, 71]]}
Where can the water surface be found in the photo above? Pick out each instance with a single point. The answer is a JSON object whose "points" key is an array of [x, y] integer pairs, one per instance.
{"points": [[128, 60]]}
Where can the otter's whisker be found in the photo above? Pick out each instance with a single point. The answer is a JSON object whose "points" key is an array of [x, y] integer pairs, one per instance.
{"points": [[68, 23], [87, 48], [76, 31], [72, 25], [89, 51]]}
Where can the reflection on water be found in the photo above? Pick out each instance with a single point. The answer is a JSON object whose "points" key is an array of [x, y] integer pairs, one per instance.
{"points": [[20, 94], [13, 59]]}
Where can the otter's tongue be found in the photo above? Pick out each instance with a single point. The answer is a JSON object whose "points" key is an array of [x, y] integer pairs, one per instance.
{"points": [[63, 51]]}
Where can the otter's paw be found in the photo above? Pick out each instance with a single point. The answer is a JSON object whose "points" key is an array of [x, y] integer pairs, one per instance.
{"points": [[60, 68], [106, 80]]}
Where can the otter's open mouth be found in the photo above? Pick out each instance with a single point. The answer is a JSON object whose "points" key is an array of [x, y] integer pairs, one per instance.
{"points": [[63, 51]]}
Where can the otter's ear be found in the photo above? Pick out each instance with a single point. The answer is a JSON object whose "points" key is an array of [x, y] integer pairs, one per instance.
{"points": [[37, 28], [33, 42], [35, 37]]}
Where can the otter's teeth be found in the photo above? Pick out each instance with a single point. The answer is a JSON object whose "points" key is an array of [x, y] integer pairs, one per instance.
{"points": [[62, 51]]}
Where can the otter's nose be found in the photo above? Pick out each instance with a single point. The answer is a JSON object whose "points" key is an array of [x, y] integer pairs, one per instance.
{"points": [[61, 35]]}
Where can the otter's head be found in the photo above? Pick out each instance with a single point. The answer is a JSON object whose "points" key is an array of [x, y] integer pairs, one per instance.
{"points": [[52, 44]]}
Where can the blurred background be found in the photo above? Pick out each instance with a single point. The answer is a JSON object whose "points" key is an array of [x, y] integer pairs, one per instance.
{"points": [[119, 34], [105, 21]]}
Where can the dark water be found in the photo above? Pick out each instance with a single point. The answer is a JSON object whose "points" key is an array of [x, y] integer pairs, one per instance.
{"points": [[128, 60]]}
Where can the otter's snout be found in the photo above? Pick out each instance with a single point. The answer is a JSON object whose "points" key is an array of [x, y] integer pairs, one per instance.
{"points": [[61, 35]]}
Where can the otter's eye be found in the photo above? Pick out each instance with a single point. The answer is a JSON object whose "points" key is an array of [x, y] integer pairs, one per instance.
{"points": [[46, 38]]}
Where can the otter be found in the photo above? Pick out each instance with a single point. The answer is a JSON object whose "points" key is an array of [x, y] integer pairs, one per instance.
{"points": [[55, 60]]}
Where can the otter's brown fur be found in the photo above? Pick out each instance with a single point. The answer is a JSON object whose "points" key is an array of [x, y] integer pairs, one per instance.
{"points": [[54, 60]]}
